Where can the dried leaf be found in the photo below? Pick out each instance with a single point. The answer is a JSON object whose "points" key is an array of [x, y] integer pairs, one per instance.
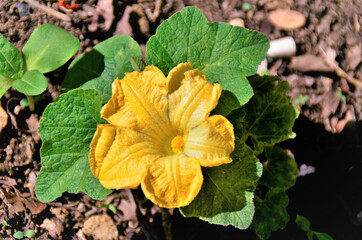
{"points": [[354, 56], [308, 62], [35, 207], [53, 226]]}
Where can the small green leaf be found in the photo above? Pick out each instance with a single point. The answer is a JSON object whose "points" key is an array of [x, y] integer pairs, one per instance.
{"points": [[11, 61], [5, 84], [270, 115], [30, 233], [303, 222], [322, 236], [112, 208], [137, 64], [224, 53], [32, 83], [48, 48], [18, 235], [67, 128], [4, 224], [107, 61], [24, 102], [280, 171], [270, 213], [226, 196]]}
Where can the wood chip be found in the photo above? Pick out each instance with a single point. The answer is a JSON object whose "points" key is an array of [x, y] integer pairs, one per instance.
{"points": [[286, 19], [3, 119], [238, 22], [100, 227]]}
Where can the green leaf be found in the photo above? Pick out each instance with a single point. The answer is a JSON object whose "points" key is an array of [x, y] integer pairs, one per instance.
{"points": [[112, 208], [5, 84], [100, 67], [224, 53], [270, 213], [67, 128], [48, 48], [310, 235], [227, 103], [18, 235], [280, 170], [270, 115], [30, 233], [303, 222], [86, 67], [226, 196], [32, 83], [322, 236], [4, 224], [11, 61]]}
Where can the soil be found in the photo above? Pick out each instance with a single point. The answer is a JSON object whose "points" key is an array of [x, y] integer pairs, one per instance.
{"points": [[329, 130]]}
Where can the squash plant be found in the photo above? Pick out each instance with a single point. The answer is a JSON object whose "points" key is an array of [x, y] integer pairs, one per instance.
{"points": [[194, 125]]}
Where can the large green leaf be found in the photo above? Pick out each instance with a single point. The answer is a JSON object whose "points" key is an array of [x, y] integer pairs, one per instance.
{"points": [[48, 48], [11, 61], [226, 196], [224, 53], [32, 83], [67, 128], [270, 114], [270, 213], [86, 67], [280, 170], [227, 103], [5, 84], [100, 67]]}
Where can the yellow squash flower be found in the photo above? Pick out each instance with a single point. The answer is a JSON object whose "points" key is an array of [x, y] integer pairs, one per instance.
{"points": [[160, 134]]}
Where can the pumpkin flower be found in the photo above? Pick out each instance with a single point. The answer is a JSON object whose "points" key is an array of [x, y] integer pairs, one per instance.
{"points": [[160, 134]]}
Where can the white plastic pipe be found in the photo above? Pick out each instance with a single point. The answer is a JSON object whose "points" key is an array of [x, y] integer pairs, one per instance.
{"points": [[282, 47]]}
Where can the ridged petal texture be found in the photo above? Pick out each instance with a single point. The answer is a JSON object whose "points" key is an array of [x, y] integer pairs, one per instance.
{"points": [[146, 112]]}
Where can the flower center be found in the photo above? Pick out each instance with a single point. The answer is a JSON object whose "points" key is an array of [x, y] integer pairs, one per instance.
{"points": [[177, 144]]}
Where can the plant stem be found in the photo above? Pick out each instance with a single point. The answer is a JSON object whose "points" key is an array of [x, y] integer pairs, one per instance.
{"points": [[244, 137], [31, 103], [166, 223]]}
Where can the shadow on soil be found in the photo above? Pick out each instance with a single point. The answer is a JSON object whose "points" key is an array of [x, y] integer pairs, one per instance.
{"points": [[330, 198]]}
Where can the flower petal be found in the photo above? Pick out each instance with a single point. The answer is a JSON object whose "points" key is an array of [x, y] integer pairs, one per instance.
{"points": [[211, 142], [193, 100], [173, 181], [176, 75], [140, 100], [120, 157]]}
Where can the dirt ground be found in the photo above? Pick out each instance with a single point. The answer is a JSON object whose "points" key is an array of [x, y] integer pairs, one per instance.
{"points": [[329, 131]]}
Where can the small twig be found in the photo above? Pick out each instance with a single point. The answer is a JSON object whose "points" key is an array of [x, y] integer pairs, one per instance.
{"points": [[339, 70], [48, 10]]}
